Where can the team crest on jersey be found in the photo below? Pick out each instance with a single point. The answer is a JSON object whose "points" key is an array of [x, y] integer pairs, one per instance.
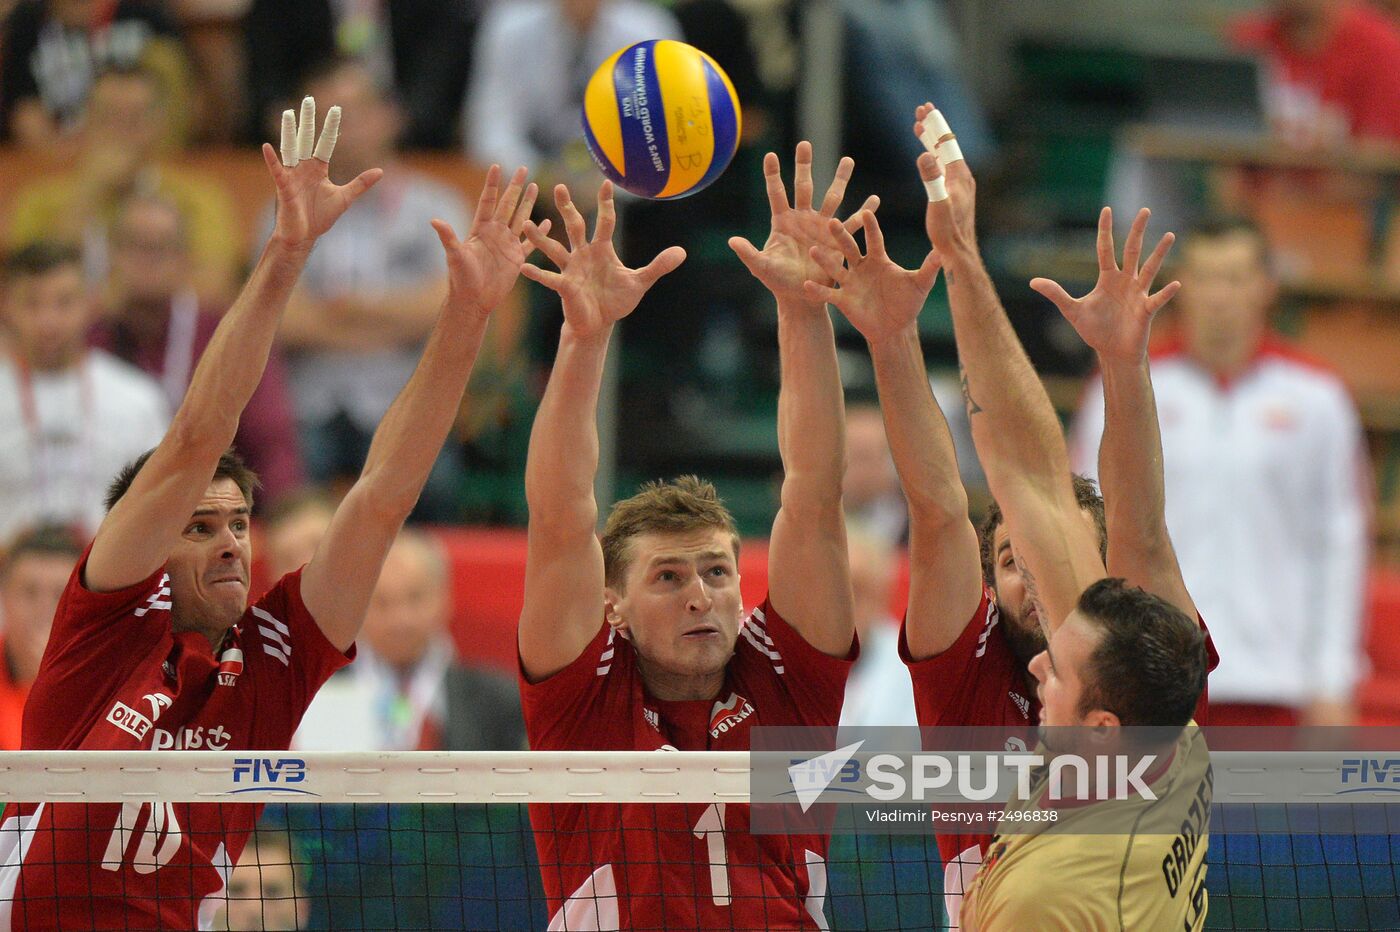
{"points": [[230, 665], [728, 714]]}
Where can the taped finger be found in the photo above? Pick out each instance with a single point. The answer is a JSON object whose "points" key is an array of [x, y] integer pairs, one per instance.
{"points": [[936, 129], [937, 190], [306, 129], [289, 139], [329, 134], [948, 151]]}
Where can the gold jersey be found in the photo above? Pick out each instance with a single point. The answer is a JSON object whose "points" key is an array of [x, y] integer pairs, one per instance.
{"points": [[1134, 864]]}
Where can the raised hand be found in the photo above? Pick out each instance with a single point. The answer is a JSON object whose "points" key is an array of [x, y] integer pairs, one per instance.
{"points": [[879, 298], [596, 288], [1115, 319], [308, 203], [483, 268], [950, 219], [785, 263]]}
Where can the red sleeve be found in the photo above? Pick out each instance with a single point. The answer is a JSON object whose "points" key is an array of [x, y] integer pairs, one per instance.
{"points": [[967, 684], [95, 639], [582, 706], [1212, 661], [289, 658], [813, 683]]}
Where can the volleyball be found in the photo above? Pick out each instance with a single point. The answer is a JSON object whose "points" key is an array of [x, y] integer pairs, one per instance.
{"points": [[661, 119]]}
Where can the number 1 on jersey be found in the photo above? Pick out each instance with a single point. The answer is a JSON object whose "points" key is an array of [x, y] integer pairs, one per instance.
{"points": [[711, 829]]}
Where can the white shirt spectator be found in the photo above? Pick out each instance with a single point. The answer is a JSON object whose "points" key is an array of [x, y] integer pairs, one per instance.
{"points": [[367, 707], [1267, 489], [878, 691], [530, 71], [65, 435]]}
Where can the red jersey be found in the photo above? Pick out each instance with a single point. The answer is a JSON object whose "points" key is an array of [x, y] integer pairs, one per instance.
{"points": [[680, 866], [116, 677], [979, 682]]}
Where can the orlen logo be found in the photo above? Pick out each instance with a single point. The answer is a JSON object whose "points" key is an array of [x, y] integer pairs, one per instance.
{"points": [[129, 720], [264, 774]]}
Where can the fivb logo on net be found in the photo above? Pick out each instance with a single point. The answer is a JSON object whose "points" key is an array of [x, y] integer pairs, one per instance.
{"points": [[966, 776]]}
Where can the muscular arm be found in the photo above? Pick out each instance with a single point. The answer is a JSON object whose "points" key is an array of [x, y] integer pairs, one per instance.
{"points": [[136, 536], [337, 583], [564, 577], [808, 570], [883, 302], [1115, 319]]}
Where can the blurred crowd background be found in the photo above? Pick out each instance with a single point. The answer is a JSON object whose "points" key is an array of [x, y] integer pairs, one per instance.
{"points": [[1267, 134]]}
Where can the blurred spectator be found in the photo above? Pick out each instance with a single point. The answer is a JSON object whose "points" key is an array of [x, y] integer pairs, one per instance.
{"points": [[70, 417], [155, 321], [1333, 70], [119, 157], [870, 492], [265, 889], [293, 528], [53, 51], [420, 48], [369, 296], [33, 574], [1267, 490], [406, 691], [878, 691], [532, 63]]}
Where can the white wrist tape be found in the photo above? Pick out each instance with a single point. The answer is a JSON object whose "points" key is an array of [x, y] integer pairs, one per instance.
{"points": [[937, 190]]}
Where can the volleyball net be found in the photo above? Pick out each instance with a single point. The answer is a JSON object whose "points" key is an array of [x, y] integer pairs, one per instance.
{"points": [[445, 841]]}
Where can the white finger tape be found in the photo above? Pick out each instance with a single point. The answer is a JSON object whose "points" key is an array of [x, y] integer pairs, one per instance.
{"points": [[289, 139], [949, 152], [937, 190], [306, 129], [329, 134], [935, 123], [929, 137]]}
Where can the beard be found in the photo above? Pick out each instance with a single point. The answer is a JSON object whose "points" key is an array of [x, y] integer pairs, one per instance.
{"points": [[1024, 634]]}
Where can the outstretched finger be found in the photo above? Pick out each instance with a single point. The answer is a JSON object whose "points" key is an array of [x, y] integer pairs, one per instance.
{"points": [[607, 214], [1153, 265], [773, 183], [844, 240], [544, 231], [274, 164], [927, 271], [551, 280], [837, 192], [505, 210], [939, 213], [306, 129], [553, 250], [289, 139], [872, 204], [802, 177], [1160, 299], [874, 236], [363, 182], [829, 261], [574, 225], [747, 252], [822, 293], [325, 146], [490, 195], [1107, 261], [527, 207], [446, 235], [666, 262], [1054, 293], [1132, 247]]}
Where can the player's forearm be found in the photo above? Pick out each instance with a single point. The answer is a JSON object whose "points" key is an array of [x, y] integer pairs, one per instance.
{"points": [[563, 456], [405, 315], [233, 362], [1130, 470], [811, 412], [920, 442], [410, 436]]}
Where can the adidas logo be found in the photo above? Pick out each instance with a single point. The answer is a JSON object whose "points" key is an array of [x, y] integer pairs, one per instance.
{"points": [[1022, 703]]}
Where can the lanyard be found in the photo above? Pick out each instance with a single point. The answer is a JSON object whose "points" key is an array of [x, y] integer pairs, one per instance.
{"points": [[57, 458], [179, 347]]}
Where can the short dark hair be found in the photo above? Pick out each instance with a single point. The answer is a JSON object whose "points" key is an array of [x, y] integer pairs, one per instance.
{"points": [[49, 540], [1150, 667], [1220, 226], [674, 507], [41, 257], [231, 466], [1086, 493]]}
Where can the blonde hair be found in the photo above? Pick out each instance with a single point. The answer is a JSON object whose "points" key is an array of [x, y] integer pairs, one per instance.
{"points": [[676, 506]]}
